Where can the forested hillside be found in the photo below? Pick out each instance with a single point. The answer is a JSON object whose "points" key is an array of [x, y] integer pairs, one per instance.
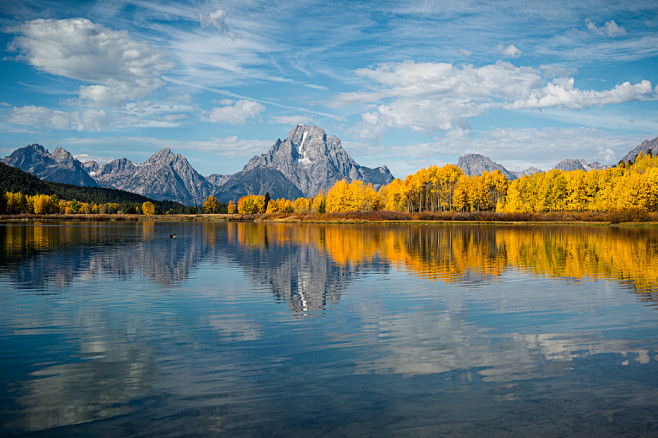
{"points": [[14, 180]]}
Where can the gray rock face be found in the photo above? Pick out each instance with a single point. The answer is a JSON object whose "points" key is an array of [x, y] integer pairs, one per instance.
{"points": [[645, 146], [476, 164], [258, 181], [163, 176], [312, 161], [529, 171], [115, 173], [91, 167], [60, 166], [217, 180], [580, 164], [570, 164]]}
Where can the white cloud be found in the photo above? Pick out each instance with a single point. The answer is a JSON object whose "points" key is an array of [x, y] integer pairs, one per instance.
{"points": [[610, 29], [431, 97], [119, 68], [561, 92], [90, 120], [216, 19], [509, 51], [236, 114]]}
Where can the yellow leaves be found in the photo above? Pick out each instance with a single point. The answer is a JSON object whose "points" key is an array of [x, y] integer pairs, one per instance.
{"points": [[44, 204], [281, 205], [338, 197], [302, 205], [210, 204], [449, 253], [148, 208], [392, 196], [447, 188], [251, 204]]}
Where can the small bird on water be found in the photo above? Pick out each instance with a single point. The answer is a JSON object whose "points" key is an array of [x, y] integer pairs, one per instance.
{"points": [[172, 236]]}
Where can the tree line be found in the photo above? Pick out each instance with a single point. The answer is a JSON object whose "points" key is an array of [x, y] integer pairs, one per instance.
{"points": [[628, 185]]}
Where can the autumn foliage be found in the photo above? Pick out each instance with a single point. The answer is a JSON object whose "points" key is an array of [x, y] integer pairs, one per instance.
{"points": [[628, 190]]}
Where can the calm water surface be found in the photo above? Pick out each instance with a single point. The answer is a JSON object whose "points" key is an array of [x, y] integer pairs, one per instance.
{"points": [[321, 330]]}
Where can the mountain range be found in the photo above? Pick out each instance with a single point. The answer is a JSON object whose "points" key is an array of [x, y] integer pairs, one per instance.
{"points": [[304, 163]]}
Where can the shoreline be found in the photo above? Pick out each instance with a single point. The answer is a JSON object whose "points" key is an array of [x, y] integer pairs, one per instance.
{"points": [[599, 219]]}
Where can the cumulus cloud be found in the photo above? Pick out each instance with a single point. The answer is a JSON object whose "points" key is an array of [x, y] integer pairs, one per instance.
{"points": [[118, 68], [561, 92], [610, 29], [430, 97], [509, 51], [90, 120], [235, 114]]}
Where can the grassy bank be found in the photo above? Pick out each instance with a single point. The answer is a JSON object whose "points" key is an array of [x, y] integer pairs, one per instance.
{"points": [[613, 217]]}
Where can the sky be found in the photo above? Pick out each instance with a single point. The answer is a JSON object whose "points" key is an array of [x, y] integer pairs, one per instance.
{"points": [[407, 84]]}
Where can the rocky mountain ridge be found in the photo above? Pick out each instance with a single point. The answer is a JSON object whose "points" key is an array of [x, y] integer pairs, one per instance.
{"points": [[476, 164], [302, 164], [309, 160], [645, 146], [164, 175], [58, 166]]}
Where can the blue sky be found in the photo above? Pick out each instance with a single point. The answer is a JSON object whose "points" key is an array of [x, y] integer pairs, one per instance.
{"points": [[406, 84]]}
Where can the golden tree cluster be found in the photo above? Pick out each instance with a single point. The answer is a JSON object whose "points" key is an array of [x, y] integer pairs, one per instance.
{"points": [[448, 189], [19, 203]]}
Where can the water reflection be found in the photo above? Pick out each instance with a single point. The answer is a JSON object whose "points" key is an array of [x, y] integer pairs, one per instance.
{"points": [[421, 330], [100, 387], [298, 269]]}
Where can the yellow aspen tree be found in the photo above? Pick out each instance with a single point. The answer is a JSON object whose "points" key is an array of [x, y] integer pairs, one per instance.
{"points": [[210, 204], [338, 197], [148, 208], [302, 205], [357, 197]]}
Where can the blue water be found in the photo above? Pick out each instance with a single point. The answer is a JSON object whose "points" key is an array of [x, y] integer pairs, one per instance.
{"points": [[113, 329]]}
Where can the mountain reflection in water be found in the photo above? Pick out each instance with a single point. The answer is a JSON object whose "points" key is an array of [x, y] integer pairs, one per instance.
{"points": [[310, 265], [244, 329]]}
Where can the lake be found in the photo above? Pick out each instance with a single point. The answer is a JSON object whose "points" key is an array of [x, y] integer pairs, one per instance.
{"points": [[256, 329]]}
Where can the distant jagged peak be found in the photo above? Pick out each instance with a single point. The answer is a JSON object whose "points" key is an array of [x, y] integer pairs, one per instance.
{"points": [[37, 147], [477, 164], [165, 156], [58, 166], [311, 161], [301, 132], [60, 154], [570, 164], [579, 164], [529, 171], [645, 146]]}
